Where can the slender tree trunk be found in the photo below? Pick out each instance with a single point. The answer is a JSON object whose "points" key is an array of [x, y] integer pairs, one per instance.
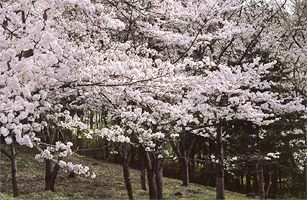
{"points": [[127, 179], [184, 155], [48, 173], [269, 185], [259, 171], [186, 162], [260, 180], [185, 171], [153, 193], [48, 170], [132, 152], [124, 161], [143, 172], [143, 178], [220, 186], [235, 184], [14, 170], [248, 184], [192, 167], [159, 176], [152, 185], [255, 182], [104, 156], [180, 152]]}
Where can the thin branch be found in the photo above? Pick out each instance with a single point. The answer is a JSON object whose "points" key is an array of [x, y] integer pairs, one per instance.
{"points": [[6, 153], [187, 49], [225, 48], [68, 84]]}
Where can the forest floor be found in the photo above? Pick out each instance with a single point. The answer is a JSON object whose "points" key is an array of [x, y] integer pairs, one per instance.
{"points": [[109, 183]]}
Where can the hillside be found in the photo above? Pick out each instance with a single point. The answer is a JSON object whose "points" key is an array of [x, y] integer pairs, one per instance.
{"points": [[109, 183]]}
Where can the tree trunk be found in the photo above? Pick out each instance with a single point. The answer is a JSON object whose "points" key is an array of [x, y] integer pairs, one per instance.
{"points": [[14, 170], [132, 161], [159, 176], [48, 173], [248, 184], [255, 182], [51, 175], [259, 172], [124, 161], [220, 186], [143, 178], [143, 173], [127, 179], [235, 184], [269, 184], [185, 171], [153, 194], [184, 155], [260, 180], [192, 167]]}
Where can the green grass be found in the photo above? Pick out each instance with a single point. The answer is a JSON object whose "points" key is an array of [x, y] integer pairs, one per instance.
{"points": [[109, 183]]}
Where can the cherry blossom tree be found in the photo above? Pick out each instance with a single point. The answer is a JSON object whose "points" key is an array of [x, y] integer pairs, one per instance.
{"points": [[161, 69]]}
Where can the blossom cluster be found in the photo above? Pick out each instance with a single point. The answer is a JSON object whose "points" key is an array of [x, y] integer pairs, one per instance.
{"points": [[76, 168]]}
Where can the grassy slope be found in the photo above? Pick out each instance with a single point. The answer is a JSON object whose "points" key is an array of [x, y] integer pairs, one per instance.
{"points": [[109, 183]]}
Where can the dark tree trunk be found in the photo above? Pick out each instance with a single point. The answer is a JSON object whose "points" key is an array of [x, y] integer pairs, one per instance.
{"points": [[105, 149], [127, 179], [143, 178], [220, 186], [268, 184], [159, 176], [51, 175], [124, 161], [260, 180], [104, 156], [192, 167], [14, 170], [248, 184], [184, 171], [259, 172], [143, 172], [132, 152], [153, 193], [48, 173], [152, 185], [255, 182], [184, 155], [235, 184]]}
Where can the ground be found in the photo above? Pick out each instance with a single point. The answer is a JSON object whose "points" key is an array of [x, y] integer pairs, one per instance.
{"points": [[109, 183]]}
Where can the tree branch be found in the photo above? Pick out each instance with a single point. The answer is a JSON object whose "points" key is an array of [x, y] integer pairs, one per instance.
{"points": [[6, 153]]}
